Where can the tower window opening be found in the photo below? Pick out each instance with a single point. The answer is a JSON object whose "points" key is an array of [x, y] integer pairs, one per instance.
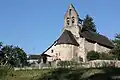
{"points": [[68, 22], [73, 19], [70, 10]]}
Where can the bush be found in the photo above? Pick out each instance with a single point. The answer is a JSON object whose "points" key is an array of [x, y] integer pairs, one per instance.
{"points": [[66, 64], [106, 56], [92, 55]]}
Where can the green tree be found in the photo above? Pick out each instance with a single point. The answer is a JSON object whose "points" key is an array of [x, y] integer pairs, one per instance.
{"points": [[1, 44], [92, 55], [116, 50], [13, 56], [88, 24], [20, 56], [6, 52], [106, 56]]}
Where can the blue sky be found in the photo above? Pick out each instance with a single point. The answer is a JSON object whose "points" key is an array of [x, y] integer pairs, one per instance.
{"points": [[34, 24]]}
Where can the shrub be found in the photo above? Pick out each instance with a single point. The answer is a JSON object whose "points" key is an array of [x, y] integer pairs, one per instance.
{"points": [[106, 56], [66, 64], [92, 55]]}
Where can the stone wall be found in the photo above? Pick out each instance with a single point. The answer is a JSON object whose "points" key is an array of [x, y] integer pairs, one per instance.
{"points": [[89, 46], [101, 48], [95, 46], [49, 52], [104, 63], [62, 51], [65, 51]]}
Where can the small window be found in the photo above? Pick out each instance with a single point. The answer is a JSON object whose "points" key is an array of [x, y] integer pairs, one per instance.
{"points": [[73, 19], [67, 17], [56, 54], [52, 51], [68, 22], [70, 11], [80, 59]]}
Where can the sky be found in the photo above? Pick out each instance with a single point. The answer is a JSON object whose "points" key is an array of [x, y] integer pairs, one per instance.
{"points": [[35, 24]]}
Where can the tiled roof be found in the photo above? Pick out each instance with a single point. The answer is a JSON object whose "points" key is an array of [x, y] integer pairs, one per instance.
{"points": [[95, 37], [67, 38], [48, 47]]}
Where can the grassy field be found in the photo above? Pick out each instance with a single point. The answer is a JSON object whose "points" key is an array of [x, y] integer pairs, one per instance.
{"points": [[82, 74], [66, 74], [25, 74]]}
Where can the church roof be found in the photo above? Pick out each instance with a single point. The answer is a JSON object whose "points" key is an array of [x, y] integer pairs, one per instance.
{"points": [[95, 37], [49, 47], [71, 7], [67, 38]]}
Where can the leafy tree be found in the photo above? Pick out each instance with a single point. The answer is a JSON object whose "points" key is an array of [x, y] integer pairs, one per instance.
{"points": [[1, 44], [20, 56], [12, 55], [116, 50], [88, 24], [92, 55], [6, 54]]}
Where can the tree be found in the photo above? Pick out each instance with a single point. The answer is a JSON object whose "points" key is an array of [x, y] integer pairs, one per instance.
{"points": [[116, 50], [20, 56], [1, 44], [88, 24], [92, 55], [12, 55], [106, 56], [6, 54]]}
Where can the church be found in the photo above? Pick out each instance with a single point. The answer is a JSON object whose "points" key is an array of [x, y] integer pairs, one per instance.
{"points": [[73, 42]]}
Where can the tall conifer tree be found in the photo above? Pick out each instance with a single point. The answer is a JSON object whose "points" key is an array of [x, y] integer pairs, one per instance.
{"points": [[88, 24]]}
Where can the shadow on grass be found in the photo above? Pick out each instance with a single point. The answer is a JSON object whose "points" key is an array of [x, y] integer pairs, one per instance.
{"points": [[76, 74], [109, 74]]}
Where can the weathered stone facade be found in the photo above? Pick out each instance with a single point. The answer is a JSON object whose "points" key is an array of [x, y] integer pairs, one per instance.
{"points": [[66, 50]]}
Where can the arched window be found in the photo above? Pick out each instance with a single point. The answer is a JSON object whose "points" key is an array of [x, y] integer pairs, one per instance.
{"points": [[73, 19], [68, 21], [80, 59], [56, 54]]}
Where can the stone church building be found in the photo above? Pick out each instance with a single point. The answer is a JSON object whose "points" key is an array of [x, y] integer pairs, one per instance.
{"points": [[75, 43]]}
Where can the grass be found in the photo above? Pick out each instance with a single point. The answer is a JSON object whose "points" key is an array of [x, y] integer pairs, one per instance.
{"points": [[25, 74], [66, 74], [82, 74]]}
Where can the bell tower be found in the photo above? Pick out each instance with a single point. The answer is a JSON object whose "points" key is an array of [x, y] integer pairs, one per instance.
{"points": [[71, 21], [71, 17]]}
